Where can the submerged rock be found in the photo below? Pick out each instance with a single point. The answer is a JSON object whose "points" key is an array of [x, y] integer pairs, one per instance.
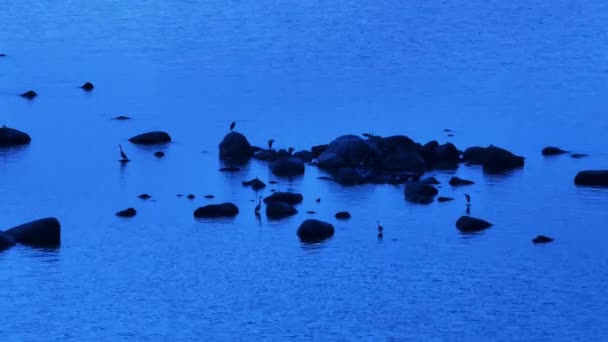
{"points": [[455, 181], [45, 232], [287, 197], [312, 230], [30, 94], [592, 177], [287, 167], [342, 215], [578, 155], [159, 154], [552, 151], [129, 212], [417, 192], [255, 184], [12, 137], [542, 239], [278, 210], [151, 138], [349, 150], [469, 224], [144, 196], [444, 199], [217, 210], [235, 147], [122, 117]]}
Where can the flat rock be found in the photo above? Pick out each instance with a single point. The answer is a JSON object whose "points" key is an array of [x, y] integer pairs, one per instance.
{"points": [[45, 232], [592, 177], [30, 94], [12, 137], [470, 224], [342, 215], [151, 138], [129, 212], [217, 210], [278, 210], [417, 192], [287, 197], [552, 151], [444, 199]]}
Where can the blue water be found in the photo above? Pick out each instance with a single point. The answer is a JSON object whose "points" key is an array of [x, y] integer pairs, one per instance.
{"points": [[519, 74]]}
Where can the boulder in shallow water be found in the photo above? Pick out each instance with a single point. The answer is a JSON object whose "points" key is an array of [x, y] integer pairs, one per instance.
{"points": [[468, 224], [235, 147], [129, 212], [287, 197], [151, 138], [417, 192], [88, 86], [255, 184], [45, 232], [30, 94], [456, 181], [6, 241], [592, 178], [552, 151], [542, 239], [12, 137], [278, 210], [493, 159], [312, 230], [349, 150], [217, 210], [287, 167], [342, 215]]}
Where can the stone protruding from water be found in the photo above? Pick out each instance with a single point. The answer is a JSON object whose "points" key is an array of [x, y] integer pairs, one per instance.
{"points": [[417, 192], [287, 197], [552, 151], [542, 239], [12, 137], [493, 159], [592, 178], [45, 232], [30, 94], [88, 86], [151, 138], [217, 210], [468, 224], [235, 147], [129, 212], [277, 210], [313, 230]]}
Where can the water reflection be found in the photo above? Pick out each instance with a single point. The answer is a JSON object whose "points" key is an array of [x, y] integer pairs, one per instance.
{"points": [[314, 246]]}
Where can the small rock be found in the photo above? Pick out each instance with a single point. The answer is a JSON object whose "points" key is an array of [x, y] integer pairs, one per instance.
{"points": [[30, 94], [88, 86], [312, 230], [542, 239], [217, 210], [343, 215], [444, 199], [191, 196], [130, 212], [469, 224], [592, 177], [209, 196], [578, 155], [45, 232], [278, 210], [230, 169], [417, 192], [122, 117], [12, 137], [151, 138], [552, 151], [311, 212], [318, 200], [144, 196], [455, 181], [159, 154], [255, 184]]}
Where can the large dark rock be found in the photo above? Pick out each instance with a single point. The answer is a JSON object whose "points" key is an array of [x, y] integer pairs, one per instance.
{"points": [[342, 215], [278, 210], [151, 138], [318, 149], [592, 177], [287, 167], [235, 146], [395, 143], [349, 150], [45, 232], [455, 181], [129, 212], [12, 137], [266, 155], [217, 210], [493, 159], [552, 151], [6, 241], [417, 192], [469, 224], [287, 197], [349, 176], [313, 230], [402, 160], [30, 94], [305, 156], [437, 156]]}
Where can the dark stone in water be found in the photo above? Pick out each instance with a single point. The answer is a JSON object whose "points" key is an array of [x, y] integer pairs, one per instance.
{"points": [[578, 155], [6, 241], [592, 177], [318, 149], [88, 86], [305, 156], [342, 215], [191, 196], [349, 151], [455, 181], [312, 230], [151, 138], [130, 212], [266, 155], [235, 147], [230, 169], [45, 232], [493, 159], [311, 212], [429, 180], [2, 55], [444, 199], [552, 151], [287, 197], [209, 196], [542, 239], [273, 182], [417, 192], [12, 137], [255, 184], [217, 210], [278, 210], [287, 167], [144, 196], [30, 94], [159, 154], [469, 224], [122, 117]]}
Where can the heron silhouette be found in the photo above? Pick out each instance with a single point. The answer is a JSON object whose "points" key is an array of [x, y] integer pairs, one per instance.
{"points": [[257, 207], [468, 198], [123, 155], [380, 228], [270, 142], [232, 125]]}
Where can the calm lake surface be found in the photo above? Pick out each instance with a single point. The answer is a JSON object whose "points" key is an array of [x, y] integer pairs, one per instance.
{"points": [[521, 75]]}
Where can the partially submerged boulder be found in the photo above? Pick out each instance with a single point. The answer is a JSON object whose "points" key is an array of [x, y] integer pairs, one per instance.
{"points": [[151, 138], [342, 215], [552, 151], [6, 241], [235, 147], [493, 159], [287, 197], [278, 210], [542, 239], [418, 192], [287, 167], [129, 212], [312, 230], [468, 224], [217, 210], [12, 137], [349, 150], [45, 232], [255, 184], [456, 181], [592, 178]]}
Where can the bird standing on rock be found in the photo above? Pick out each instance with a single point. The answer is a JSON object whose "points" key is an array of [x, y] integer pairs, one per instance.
{"points": [[468, 198], [232, 125]]}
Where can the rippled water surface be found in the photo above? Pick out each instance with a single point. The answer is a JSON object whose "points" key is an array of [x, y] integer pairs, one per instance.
{"points": [[519, 74]]}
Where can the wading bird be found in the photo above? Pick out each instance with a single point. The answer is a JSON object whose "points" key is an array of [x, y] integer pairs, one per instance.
{"points": [[123, 155], [232, 125]]}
